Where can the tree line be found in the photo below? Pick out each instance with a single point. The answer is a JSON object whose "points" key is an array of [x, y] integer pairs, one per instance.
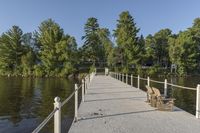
{"points": [[46, 52], [50, 52]]}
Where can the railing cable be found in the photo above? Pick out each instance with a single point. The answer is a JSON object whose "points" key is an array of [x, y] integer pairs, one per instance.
{"points": [[45, 121]]}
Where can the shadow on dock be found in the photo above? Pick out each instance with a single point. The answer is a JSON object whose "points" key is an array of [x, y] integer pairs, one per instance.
{"points": [[114, 92], [110, 99], [114, 115]]}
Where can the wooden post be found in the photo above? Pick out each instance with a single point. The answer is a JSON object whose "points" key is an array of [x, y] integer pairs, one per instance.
{"points": [[138, 81], [83, 90], [148, 81], [126, 78], [198, 102], [76, 103], [165, 88], [57, 115], [131, 80]]}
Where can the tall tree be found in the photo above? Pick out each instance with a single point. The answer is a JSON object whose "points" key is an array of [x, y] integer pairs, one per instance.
{"points": [[161, 47], [28, 59], [11, 51], [150, 54], [92, 49], [184, 49], [127, 40], [104, 37], [54, 49]]}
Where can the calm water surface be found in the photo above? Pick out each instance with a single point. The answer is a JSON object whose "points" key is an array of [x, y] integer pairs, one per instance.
{"points": [[25, 102]]}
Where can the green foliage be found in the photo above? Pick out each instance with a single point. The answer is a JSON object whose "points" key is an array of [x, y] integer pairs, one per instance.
{"points": [[51, 52], [104, 36], [92, 69], [153, 70], [38, 71], [184, 52], [97, 44], [11, 51], [56, 49], [127, 40], [92, 48], [157, 48], [27, 63]]}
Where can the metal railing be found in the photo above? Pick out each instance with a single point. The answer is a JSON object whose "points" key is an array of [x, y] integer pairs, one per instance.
{"points": [[120, 76], [58, 105]]}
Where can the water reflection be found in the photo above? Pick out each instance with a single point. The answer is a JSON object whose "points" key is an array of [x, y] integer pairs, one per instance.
{"points": [[25, 102]]}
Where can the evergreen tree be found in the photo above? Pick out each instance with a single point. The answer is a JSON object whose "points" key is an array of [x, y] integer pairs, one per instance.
{"points": [[28, 59], [161, 47], [150, 54], [92, 49], [184, 52], [127, 40], [11, 51], [104, 36], [54, 50]]}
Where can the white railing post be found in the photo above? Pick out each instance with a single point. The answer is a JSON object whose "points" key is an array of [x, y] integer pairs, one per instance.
{"points": [[123, 77], [148, 81], [126, 78], [120, 77], [89, 78], [198, 102], [86, 85], [165, 88], [138, 81], [57, 115], [76, 103], [131, 80], [83, 90]]}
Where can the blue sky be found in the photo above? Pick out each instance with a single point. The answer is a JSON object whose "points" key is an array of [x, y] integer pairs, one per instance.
{"points": [[150, 15]]}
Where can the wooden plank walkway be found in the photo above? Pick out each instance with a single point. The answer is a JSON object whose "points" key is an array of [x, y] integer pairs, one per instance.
{"points": [[114, 107]]}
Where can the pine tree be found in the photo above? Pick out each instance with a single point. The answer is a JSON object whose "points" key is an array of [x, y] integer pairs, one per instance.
{"points": [[55, 50], [11, 51], [92, 48], [127, 40]]}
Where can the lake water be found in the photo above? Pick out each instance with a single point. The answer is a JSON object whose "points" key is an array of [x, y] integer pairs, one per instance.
{"points": [[25, 102]]}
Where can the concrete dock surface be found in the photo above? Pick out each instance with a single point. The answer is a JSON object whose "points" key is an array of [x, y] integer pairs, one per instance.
{"points": [[112, 106]]}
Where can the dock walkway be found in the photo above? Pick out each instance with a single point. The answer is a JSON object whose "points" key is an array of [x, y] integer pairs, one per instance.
{"points": [[112, 106]]}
